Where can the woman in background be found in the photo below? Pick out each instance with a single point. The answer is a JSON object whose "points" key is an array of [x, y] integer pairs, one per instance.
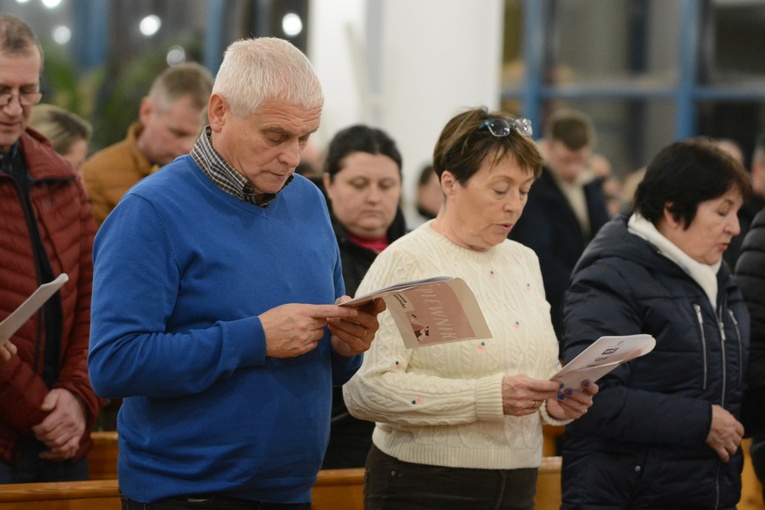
{"points": [[362, 181], [459, 425], [665, 429], [68, 133]]}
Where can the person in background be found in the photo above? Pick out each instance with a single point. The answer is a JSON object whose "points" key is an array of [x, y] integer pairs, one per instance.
{"points": [[362, 180], [311, 161], [730, 147], [459, 425], [68, 133], [47, 406], [665, 428], [216, 298], [169, 121], [429, 194], [753, 204], [566, 207], [750, 277]]}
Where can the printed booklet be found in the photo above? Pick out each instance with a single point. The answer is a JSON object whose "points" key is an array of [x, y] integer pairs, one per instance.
{"points": [[432, 311], [20, 315], [604, 355]]}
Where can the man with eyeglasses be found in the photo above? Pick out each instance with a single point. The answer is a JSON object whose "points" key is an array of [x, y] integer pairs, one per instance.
{"points": [[47, 406]]}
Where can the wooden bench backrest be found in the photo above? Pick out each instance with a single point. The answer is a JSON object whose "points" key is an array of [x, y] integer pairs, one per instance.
{"points": [[102, 459], [90, 495], [341, 489], [337, 489]]}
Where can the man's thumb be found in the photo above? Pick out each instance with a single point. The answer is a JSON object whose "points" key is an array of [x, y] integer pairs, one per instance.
{"points": [[49, 402]]}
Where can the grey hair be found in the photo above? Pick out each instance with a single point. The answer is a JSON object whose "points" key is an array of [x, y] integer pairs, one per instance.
{"points": [[258, 70]]}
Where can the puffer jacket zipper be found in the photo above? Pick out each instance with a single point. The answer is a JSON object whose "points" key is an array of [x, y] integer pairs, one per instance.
{"points": [[703, 342], [740, 348]]}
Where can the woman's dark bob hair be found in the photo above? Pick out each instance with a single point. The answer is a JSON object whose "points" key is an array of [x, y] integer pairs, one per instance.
{"points": [[684, 174], [359, 138]]}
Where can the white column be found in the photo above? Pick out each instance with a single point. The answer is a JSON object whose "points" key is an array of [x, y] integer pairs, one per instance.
{"points": [[406, 66]]}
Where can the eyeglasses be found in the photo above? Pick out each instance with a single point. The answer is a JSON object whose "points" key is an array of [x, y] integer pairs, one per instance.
{"points": [[500, 127], [25, 98]]}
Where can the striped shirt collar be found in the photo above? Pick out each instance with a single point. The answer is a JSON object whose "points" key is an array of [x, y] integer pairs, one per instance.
{"points": [[224, 175]]}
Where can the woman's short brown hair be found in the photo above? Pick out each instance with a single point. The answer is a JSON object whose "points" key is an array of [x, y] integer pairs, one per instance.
{"points": [[463, 146]]}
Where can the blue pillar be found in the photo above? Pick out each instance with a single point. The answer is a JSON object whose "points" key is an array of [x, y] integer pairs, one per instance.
{"points": [[213, 50], [91, 33], [689, 68], [533, 60]]}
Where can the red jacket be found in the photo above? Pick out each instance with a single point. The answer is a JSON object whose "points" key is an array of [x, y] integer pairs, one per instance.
{"points": [[67, 229]]}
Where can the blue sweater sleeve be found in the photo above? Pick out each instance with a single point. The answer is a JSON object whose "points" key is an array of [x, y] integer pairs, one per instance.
{"points": [[137, 279]]}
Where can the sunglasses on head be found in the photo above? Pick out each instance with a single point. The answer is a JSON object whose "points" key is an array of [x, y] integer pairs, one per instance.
{"points": [[500, 127]]}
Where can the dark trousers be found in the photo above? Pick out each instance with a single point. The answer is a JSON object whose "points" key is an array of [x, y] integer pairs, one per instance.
{"points": [[209, 502], [32, 469], [391, 484]]}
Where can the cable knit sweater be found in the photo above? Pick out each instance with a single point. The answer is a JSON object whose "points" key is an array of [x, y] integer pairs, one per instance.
{"points": [[442, 404]]}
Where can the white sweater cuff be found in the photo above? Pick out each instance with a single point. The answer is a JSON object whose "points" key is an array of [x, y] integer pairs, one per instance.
{"points": [[488, 398]]}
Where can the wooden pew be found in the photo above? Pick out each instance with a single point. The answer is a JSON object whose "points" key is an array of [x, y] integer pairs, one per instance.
{"points": [[343, 489], [90, 495], [751, 488], [548, 484], [337, 489], [102, 459]]}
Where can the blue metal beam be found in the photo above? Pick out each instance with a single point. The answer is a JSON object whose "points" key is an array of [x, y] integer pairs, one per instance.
{"points": [[91, 33], [213, 49], [533, 60], [690, 23]]}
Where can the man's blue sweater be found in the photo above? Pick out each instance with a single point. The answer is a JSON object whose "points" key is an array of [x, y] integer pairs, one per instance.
{"points": [[182, 271]]}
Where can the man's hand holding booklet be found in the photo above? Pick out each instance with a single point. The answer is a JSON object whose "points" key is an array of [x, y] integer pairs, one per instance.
{"points": [[604, 355]]}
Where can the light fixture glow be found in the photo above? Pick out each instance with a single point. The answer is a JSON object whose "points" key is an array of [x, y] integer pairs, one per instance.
{"points": [[150, 25], [176, 55], [61, 34], [292, 25], [51, 4], [21, 1]]}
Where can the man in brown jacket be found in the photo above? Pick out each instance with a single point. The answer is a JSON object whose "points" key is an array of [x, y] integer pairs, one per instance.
{"points": [[170, 119], [47, 407]]}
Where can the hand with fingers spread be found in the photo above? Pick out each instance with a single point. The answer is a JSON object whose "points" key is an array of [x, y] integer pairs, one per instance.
{"points": [[725, 433], [522, 395]]}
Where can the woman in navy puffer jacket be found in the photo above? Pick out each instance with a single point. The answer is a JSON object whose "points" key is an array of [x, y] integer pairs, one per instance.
{"points": [[665, 430]]}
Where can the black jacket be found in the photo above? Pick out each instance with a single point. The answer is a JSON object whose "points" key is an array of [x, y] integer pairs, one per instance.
{"points": [[357, 259], [746, 214], [550, 227], [750, 276], [643, 442], [350, 439]]}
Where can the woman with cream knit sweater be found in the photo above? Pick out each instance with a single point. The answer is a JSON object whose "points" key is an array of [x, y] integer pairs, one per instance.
{"points": [[459, 425]]}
